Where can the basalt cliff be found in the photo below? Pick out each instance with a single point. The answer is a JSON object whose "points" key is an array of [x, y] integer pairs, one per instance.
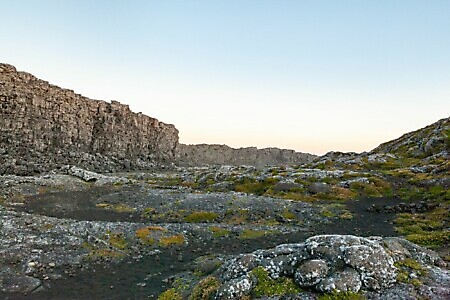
{"points": [[43, 126], [205, 154]]}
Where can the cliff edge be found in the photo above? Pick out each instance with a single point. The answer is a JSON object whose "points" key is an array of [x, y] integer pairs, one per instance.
{"points": [[43, 126]]}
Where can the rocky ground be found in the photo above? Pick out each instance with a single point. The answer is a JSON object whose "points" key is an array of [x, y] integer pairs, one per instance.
{"points": [[330, 222], [178, 232]]}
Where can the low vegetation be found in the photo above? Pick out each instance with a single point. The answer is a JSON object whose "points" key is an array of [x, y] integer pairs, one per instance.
{"points": [[205, 289], [428, 229], [170, 294], [173, 240], [335, 295], [266, 286], [410, 271], [219, 232], [201, 217]]}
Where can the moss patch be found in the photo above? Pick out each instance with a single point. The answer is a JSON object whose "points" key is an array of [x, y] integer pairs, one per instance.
{"points": [[201, 217], [117, 240], [205, 289], [426, 229], [335, 295], [170, 294], [252, 234], [172, 240], [145, 234], [267, 286], [219, 232], [406, 268]]}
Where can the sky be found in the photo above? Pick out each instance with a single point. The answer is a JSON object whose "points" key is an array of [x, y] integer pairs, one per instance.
{"points": [[314, 76]]}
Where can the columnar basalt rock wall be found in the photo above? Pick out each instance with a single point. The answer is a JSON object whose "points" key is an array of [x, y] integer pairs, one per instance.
{"points": [[204, 154], [43, 126]]}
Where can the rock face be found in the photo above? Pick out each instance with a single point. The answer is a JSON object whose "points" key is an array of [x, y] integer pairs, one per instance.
{"points": [[43, 126], [204, 154]]}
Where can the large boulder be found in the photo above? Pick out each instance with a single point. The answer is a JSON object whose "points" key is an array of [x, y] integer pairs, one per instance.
{"points": [[375, 267]]}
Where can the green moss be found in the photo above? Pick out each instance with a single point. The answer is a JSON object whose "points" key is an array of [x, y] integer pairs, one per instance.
{"points": [[210, 181], [335, 295], [255, 187], [430, 239], [219, 232], [427, 229], [205, 289], [145, 234], [286, 214], [117, 240], [346, 215], [408, 266], [148, 212], [410, 263], [252, 234], [267, 286], [170, 294], [171, 240], [340, 193], [327, 213], [365, 189], [201, 217]]}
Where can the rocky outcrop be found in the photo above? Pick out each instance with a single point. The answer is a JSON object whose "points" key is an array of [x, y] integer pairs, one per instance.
{"points": [[433, 139], [204, 154], [373, 268], [426, 146], [43, 126]]}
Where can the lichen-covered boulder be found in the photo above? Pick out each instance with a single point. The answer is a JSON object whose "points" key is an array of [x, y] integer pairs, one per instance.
{"points": [[239, 266], [311, 272], [235, 288], [347, 280], [375, 267]]}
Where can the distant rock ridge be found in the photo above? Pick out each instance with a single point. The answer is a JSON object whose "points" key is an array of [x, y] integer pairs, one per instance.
{"points": [[206, 154], [43, 126]]}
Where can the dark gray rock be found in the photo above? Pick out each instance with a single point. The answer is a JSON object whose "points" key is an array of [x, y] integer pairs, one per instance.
{"points": [[375, 266], [347, 280], [235, 288], [319, 187], [311, 272]]}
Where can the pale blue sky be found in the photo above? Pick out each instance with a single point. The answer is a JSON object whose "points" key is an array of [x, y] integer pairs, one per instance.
{"points": [[311, 75]]}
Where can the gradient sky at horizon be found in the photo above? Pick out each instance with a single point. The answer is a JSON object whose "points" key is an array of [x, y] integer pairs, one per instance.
{"points": [[313, 76]]}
